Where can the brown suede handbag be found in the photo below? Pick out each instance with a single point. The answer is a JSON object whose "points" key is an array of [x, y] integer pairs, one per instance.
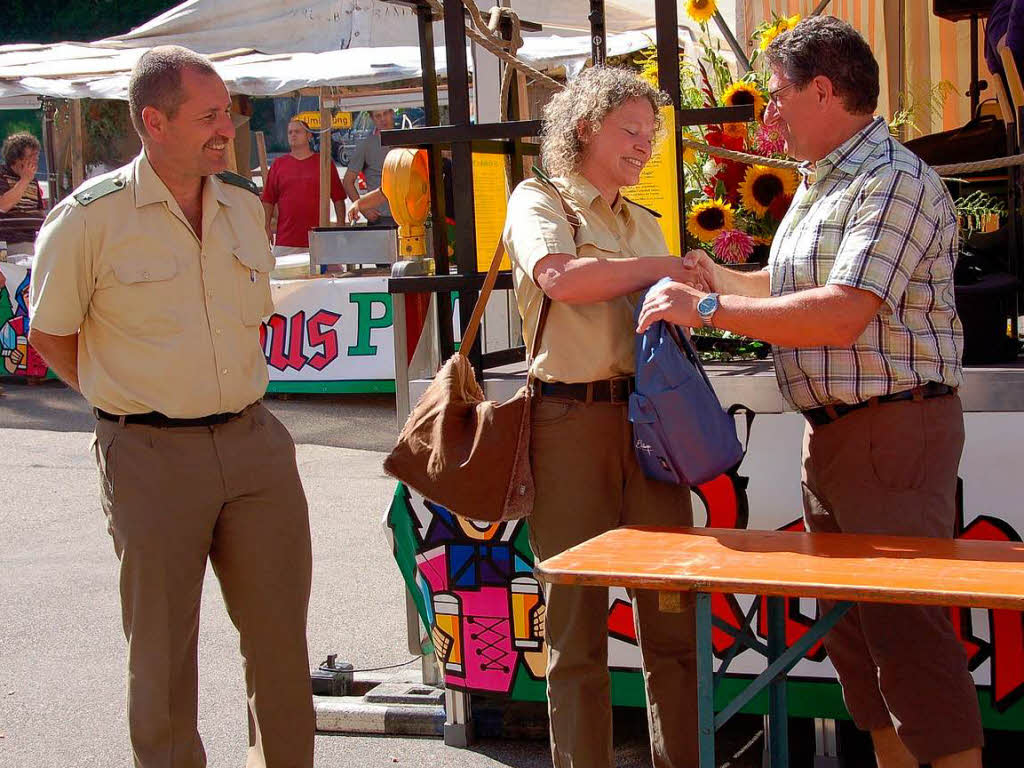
{"points": [[458, 449], [469, 454]]}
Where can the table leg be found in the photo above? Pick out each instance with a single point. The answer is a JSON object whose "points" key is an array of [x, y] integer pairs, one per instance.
{"points": [[705, 682], [778, 718]]}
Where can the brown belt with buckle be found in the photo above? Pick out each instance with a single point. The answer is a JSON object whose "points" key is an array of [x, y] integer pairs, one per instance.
{"points": [[615, 390], [829, 413]]}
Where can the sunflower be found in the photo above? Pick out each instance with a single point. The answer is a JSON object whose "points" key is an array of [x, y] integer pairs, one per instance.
{"points": [[781, 25], [709, 217], [701, 10], [761, 186], [741, 93]]}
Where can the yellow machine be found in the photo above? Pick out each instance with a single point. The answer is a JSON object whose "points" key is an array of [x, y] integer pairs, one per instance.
{"points": [[406, 185]]}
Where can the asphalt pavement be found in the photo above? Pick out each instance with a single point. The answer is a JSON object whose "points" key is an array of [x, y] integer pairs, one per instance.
{"points": [[62, 651]]}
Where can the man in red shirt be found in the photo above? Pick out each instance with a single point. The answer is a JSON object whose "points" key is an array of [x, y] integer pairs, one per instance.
{"points": [[293, 188]]}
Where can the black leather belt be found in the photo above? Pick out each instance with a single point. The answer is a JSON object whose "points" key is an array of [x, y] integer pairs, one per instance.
{"points": [[155, 419], [829, 413], [615, 390]]}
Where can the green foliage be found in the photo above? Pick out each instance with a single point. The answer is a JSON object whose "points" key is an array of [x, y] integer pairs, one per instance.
{"points": [[931, 102], [48, 21], [718, 346], [21, 121], [976, 209]]}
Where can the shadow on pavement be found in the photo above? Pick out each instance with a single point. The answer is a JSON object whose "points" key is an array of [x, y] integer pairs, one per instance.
{"points": [[360, 422]]}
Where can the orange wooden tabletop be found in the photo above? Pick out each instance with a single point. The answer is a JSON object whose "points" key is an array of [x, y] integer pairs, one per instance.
{"points": [[889, 569]]}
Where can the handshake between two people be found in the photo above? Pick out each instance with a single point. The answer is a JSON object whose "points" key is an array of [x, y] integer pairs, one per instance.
{"points": [[676, 302]]}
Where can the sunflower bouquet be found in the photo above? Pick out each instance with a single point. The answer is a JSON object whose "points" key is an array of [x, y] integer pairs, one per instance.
{"points": [[732, 208]]}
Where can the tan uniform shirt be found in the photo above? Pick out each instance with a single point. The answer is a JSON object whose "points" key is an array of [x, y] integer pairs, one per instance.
{"points": [[166, 323], [581, 342]]}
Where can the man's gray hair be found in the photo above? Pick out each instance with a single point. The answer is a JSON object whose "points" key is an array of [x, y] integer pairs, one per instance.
{"points": [[825, 45], [589, 97], [156, 81]]}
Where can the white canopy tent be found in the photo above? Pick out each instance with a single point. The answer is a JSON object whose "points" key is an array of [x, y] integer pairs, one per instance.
{"points": [[278, 26], [97, 70]]}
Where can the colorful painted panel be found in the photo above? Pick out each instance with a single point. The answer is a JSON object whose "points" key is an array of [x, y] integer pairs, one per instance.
{"points": [[483, 610], [17, 358]]}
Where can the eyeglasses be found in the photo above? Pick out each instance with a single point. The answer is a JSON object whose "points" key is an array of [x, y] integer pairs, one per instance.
{"points": [[774, 95]]}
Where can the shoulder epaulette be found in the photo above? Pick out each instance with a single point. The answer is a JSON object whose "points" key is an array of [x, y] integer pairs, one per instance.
{"points": [[570, 215], [238, 181], [651, 211], [541, 175], [101, 188]]}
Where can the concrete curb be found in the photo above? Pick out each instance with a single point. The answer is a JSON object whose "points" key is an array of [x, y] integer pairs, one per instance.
{"points": [[348, 714], [395, 704]]}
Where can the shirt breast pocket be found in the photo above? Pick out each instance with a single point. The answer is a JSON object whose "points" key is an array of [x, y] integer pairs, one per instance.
{"points": [[148, 295], [595, 245], [252, 270]]}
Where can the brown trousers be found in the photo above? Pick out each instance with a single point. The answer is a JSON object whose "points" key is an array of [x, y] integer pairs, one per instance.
{"points": [[892, 469], [588, 482], [231, 494]]}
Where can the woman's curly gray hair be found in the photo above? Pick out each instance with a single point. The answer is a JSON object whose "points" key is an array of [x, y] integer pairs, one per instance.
{"points": [[590, 97]]}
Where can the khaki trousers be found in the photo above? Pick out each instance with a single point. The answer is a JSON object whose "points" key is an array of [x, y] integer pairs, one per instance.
{"points": [[892, 469], [231, 494], [588, 482]]}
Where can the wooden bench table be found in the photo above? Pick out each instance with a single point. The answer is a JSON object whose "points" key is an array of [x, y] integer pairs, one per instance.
{"points": [[779, 564]]}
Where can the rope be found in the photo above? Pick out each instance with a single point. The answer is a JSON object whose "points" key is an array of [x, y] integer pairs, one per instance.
{"points": [[942, 170], [495, 44], [980, 165], [739, 157]]}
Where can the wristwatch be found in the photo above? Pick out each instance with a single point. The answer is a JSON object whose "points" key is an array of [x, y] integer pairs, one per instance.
{"points": [[707, 307]]}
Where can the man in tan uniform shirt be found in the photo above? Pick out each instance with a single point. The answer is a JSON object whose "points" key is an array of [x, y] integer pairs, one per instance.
{"points": [[147, 295]]}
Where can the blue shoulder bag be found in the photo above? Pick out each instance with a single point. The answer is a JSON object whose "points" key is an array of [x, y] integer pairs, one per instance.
{"points": [[681, 434]]}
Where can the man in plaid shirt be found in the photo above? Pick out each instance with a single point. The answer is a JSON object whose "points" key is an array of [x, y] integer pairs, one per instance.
{"points": [[857, 300]]}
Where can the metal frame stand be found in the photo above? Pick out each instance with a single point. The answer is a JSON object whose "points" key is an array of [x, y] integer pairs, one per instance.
{"points": [[458, 724], [780, 660], [826, 743]]}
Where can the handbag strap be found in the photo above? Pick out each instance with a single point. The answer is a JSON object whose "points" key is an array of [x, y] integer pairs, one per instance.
{"points": [[473, 326]]}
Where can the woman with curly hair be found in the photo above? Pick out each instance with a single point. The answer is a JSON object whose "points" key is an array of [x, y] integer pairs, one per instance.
{"points": [[577, 241]]}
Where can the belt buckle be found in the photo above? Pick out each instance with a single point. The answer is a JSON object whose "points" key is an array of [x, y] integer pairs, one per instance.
{"points": [[618, 389]]}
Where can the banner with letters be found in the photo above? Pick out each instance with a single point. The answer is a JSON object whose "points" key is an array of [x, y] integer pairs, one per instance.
{"points": [[330, 335]]}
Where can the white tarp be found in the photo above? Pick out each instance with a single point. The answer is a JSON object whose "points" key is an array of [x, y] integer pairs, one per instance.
{"points": [[277, 26], [90, 70], [268, 47]]}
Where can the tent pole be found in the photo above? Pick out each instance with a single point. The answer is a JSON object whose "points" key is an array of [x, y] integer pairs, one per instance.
{"points": [[77, 144], [902, 69], [325, 159], [730, 38], [49, 151], [598, 42]]}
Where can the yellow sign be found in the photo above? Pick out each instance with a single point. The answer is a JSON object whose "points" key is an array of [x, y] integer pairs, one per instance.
{"points": [[657, 188], [490, 201], [312, 120]]}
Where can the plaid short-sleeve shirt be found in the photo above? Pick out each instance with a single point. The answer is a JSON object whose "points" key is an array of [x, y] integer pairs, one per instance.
{"points": [[874, 216]]}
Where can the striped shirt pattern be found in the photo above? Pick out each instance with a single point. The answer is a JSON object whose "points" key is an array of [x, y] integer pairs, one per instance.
{"points": [[874, 216], [22, 222]]}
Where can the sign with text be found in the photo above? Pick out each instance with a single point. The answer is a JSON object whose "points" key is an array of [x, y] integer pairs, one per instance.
{"points": [[657, 188], [490, 202]]}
